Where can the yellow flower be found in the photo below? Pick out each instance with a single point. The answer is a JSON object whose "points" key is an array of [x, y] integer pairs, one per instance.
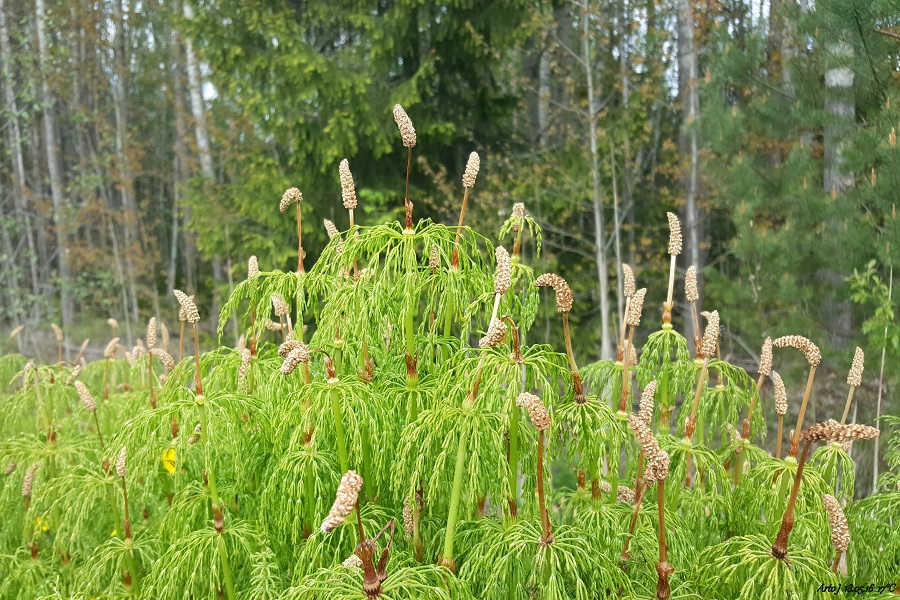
{"points": [[168, 460], [114, 533], [42, 524]]}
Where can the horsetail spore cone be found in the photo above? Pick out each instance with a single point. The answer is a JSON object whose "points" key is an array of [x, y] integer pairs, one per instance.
{"points": [[674, 251], [344, 501], [348, 186], [840, 533], [854, 379]]}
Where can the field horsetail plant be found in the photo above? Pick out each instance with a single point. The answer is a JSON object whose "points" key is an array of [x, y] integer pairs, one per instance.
{"points": [[395, 428]]}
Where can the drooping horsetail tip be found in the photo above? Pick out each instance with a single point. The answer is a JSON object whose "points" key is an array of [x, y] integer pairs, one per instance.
{"points": [[674, 234], [121, 469], [518, 210], [624, 495], [780, 393], [691, 292], [271, 325], [536, 410], [563, 293], [833, 431], [252, 267], [16, 331], [645, 408], [404, 123], [633, 318], [290, 196], [809, 349], [85, 395], [840, 533], [164, 357], [57, 332], [657, 468], [765, 358], [352, 562], [285, 348], [710, 334], [854, 378], [344, 501], [111, 347], [74, 375], [298, 355], [471, 172], [191, 315], [434, 260], [151, 333], [330, 228], [503, 274], [280, 307], [348, 187], [495, 335], [628, 284], [112, 323], [28, 482]]}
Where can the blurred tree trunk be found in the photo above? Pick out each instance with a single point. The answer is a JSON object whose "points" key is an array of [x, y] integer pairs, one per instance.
{"points": [[201, 133], [597, 199], [690, 106], [54, 165], [133, 246], [16, 156]]}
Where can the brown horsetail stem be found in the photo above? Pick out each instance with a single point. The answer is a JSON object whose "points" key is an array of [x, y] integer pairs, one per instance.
{"points": [[59, 340], [541, 421], [89, 403], [408, 135], [294, 196], [813, 357], [518, 227], [633, 321], [129, 575], [828, 430], [468, 182], [854, 379], [708, 349], [840, 533], [765, 367], [564, 302]]}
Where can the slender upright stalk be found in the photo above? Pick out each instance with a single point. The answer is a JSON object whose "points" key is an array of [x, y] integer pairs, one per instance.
{"points": [[150, 379], [626, 383], [847, 405], [692, 421], [446, 558], [573, 366], [795, 441], [780, 436], [663, 569], [99, 435], [300, 268], [745, 433], [106, 379], [197, 381], [779, 549], [406, 202], [638, 500], [181, 343], [130, 577], [454, 262], [547, 534]]}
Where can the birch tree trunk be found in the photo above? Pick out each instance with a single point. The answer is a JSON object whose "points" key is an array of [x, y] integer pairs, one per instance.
{"points": [[690, 104], [597, 199], [54, 164]]}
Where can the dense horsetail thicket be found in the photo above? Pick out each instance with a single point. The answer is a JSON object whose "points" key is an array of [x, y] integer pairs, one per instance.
{"points": [[385, 430]]}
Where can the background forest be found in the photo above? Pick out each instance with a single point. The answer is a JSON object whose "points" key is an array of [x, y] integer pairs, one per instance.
{"points": [[145, 145]]}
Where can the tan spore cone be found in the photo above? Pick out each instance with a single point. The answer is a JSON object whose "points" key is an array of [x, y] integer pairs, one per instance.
{"points": [[804, 345], [471, 172], [564, 299], [657, 468], [854, 377], [344, 501], [290, 196], [536, 410], [674, 234], [840, 532], [635, 310], [628, 283], [85, 395], [405, 124], [781, 404], [645, 408], [833, 431], [691, 291], [503, 272], [188, 307], [710, 335], [495, 335], [348, 186]]}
